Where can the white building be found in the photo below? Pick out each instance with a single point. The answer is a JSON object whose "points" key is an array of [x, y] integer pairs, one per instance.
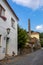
{"points": [[8, 30]]}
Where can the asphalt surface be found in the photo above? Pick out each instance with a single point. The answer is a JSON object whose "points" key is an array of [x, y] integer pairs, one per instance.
{"points": [[35, 58]]}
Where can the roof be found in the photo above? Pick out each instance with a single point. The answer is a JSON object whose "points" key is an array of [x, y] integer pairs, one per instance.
{"points": [[11, 9], [35, 33]]}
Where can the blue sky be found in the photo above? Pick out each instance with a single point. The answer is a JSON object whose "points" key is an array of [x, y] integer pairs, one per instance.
{"points": [[29, 9]]}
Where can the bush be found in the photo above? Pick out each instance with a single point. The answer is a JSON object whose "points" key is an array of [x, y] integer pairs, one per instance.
{"points": [[41, 43]]}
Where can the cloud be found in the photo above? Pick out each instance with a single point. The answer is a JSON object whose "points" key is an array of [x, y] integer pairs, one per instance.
{"points": [[33, 4], [39, 28]]}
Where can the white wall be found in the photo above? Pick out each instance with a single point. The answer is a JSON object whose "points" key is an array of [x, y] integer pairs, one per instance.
{"points": [[13, 32], [3, 41]]}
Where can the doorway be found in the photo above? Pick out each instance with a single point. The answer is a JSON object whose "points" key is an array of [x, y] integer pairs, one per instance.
{"points": [[7, 43]]}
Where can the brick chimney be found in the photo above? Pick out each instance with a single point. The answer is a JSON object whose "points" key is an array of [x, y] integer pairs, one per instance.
{"points": [[29, 28]]}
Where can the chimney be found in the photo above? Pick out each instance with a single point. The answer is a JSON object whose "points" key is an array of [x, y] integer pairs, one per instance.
{"points": [[29, 30]]}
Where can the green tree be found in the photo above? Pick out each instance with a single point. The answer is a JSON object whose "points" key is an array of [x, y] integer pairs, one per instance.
{"points": [[22, 38], [41, 39]]}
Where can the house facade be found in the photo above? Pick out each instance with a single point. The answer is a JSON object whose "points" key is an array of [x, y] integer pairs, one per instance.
{"points": [[8, 30], [35, 34]]}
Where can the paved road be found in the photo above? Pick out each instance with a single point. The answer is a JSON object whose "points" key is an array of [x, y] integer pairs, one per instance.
{"points": [[35, 58]]}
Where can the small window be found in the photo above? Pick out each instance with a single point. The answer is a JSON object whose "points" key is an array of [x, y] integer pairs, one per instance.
{"points": [[0, 40], [2, 11], [12, 23]]}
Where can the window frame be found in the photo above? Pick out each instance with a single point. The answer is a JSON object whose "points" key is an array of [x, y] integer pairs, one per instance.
{"points": [[2, 8], [12, 21], [0, 39]]}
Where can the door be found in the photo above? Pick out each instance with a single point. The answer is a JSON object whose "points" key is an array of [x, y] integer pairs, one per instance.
{"points": [[7, 43]]}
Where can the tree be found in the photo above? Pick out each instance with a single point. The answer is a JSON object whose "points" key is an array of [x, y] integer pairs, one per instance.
{"points": [[22, 38], [41, 39]]}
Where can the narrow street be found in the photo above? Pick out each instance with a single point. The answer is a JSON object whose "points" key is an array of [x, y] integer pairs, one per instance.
{"points": [[35, 58]]}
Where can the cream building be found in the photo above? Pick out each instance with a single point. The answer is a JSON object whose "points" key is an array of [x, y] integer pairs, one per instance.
{"points": [[35, 34]]}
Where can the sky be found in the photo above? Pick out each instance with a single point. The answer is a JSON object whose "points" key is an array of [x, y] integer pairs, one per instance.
{"points": [[29, 9]]}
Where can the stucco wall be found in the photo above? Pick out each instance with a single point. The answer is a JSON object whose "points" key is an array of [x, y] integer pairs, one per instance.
{"points": [[35, 35], [13, 32]]}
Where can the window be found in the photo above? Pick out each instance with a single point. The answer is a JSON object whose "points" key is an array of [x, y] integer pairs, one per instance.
{"points": [[2, 11], [0, 40], [12, 23]]}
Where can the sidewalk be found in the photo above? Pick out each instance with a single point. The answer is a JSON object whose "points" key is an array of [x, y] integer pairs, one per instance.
{"points": [[10, 59]]}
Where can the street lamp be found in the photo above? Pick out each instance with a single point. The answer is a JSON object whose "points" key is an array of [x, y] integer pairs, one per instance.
{"points": [[8, 30]]}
